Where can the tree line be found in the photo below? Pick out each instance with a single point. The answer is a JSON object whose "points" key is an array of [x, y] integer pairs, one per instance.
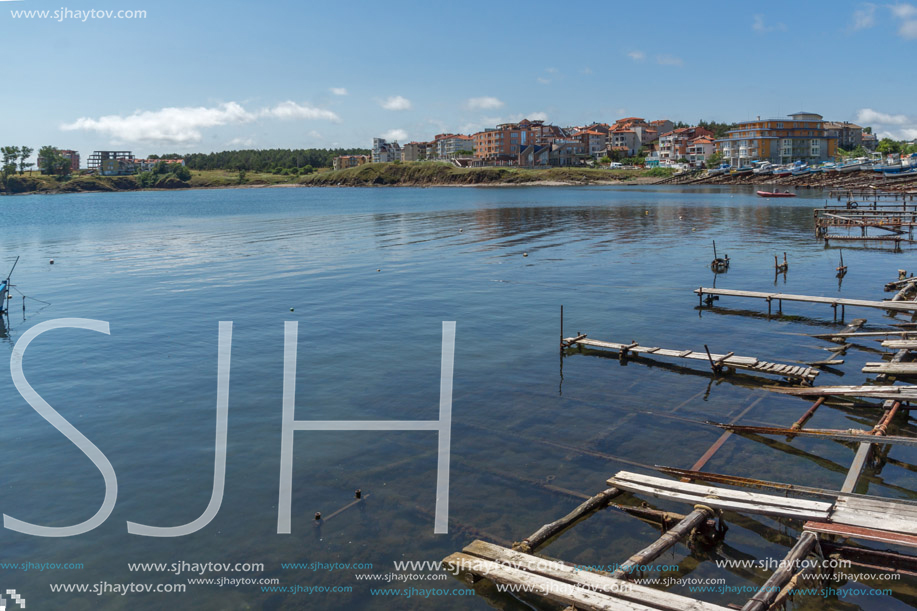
{"points": [[266, 160]]}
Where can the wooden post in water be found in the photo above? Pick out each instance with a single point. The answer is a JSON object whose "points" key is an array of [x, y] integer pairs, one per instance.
{"points": [[538, 538], [768, 592], [675, 534]]}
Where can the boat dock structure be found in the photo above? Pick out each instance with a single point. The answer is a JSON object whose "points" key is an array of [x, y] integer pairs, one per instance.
{"points": [[830, 524], [869, 221]]}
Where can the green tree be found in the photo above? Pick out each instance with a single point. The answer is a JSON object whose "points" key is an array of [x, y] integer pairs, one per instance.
{"points": [[715, 159], [10, 156], [605, 160], [181, 172], [888, 146], [52, 162], [24, 153]]}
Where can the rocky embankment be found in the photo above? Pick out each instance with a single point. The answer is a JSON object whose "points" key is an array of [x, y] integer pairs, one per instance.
{"points": [[854, 180]]}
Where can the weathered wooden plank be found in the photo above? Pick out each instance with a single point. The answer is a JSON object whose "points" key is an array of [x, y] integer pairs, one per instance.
{"points": [[902, 306], [727, 360], [876, 515], [866, 534], [539, 585], [836, 434], [901, 344], [739, 506], [601, 583], [905, 392], [723, 493], [891, 368]]}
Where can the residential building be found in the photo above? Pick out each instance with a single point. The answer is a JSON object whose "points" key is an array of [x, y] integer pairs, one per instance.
{"points": [[559, 152], [385, 152], [112, 163], [502, 144], [849, 135], [662, 126], [802, 137], [593, 141], [414, 151], [350, 161], [870, 141], [447, 146], [629, 135], [673, 145], [699, 150]]}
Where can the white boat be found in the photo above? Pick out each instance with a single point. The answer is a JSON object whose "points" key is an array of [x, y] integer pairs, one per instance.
{"points": [[860, 163], [799, 168], [721, 169], [764, 167]]}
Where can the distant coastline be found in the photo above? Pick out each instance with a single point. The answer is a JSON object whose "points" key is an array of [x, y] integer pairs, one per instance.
{"points": [[369, 175]]}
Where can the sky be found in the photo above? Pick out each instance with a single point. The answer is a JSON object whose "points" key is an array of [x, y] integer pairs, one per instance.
{"points": [[203, 76]]}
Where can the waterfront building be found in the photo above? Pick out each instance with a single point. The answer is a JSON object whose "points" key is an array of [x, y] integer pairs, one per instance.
{"points": [[801, 137], [385, 152], [350, 161]]}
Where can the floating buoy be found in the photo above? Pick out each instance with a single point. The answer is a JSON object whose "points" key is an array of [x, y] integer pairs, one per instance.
{"points": [[318, 515], [291, 309], [51, 262], [358, 493], [378, 270], [461, 230], [525, 254]]}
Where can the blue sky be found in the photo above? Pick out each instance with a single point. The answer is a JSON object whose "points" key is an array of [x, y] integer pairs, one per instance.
{"points": [[204, 76]]}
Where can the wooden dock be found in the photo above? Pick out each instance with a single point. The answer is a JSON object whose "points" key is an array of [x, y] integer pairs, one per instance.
{"points": [[717, 362], [834, 302]]}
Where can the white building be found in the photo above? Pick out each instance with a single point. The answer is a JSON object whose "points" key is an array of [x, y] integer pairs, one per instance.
{"points": [[385, 152]]}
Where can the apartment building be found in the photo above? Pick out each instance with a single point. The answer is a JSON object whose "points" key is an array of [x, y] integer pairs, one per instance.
{"points": [[674, 145], [385, 152], [350, 161], [414, 151], [849, 135], [800, 137], [501, 145]]}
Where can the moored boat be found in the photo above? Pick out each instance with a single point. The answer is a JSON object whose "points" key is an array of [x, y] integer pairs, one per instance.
{"points": [[775, 194]]}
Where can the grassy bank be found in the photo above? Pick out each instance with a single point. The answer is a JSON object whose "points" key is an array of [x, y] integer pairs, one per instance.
{"points": [[433, 173], [373, 174]]}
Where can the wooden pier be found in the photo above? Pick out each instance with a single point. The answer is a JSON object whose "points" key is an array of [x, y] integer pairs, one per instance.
{"points": [[823, 525], [718, 362], [894, 223], [834, 302]]}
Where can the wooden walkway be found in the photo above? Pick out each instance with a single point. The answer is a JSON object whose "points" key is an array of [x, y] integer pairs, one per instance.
{"points": [[897, 306], [717, 362], [565, 583]]}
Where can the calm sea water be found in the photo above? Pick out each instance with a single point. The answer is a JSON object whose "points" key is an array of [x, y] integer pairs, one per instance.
{"points": [[370, 275]]}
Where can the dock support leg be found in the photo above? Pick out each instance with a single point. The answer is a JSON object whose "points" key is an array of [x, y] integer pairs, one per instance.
{"points": [[766, 594], [834, 307], [768, 306], [539, 537], [675, 534]]}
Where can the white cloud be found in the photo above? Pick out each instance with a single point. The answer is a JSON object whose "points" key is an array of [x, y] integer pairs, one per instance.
{"points": [[903, 11], [542, 80], [395, 134], [637, 56], [168, 125], [586, 70], [183, 125], [316, 135], [537, 116], [760, 26], [669, 60], [551, 70], [908, 30], [396, 102], [897, 127], [292, 110], [339, 91], [864, 18], [246, 142], [868, 116], [907, 13], [483, 103]]}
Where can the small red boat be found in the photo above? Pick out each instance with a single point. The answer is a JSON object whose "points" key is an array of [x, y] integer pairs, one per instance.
{"points": [[775, 194]]}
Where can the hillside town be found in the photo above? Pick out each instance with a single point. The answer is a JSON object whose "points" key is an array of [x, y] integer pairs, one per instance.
{"points": [[800, 138]]}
